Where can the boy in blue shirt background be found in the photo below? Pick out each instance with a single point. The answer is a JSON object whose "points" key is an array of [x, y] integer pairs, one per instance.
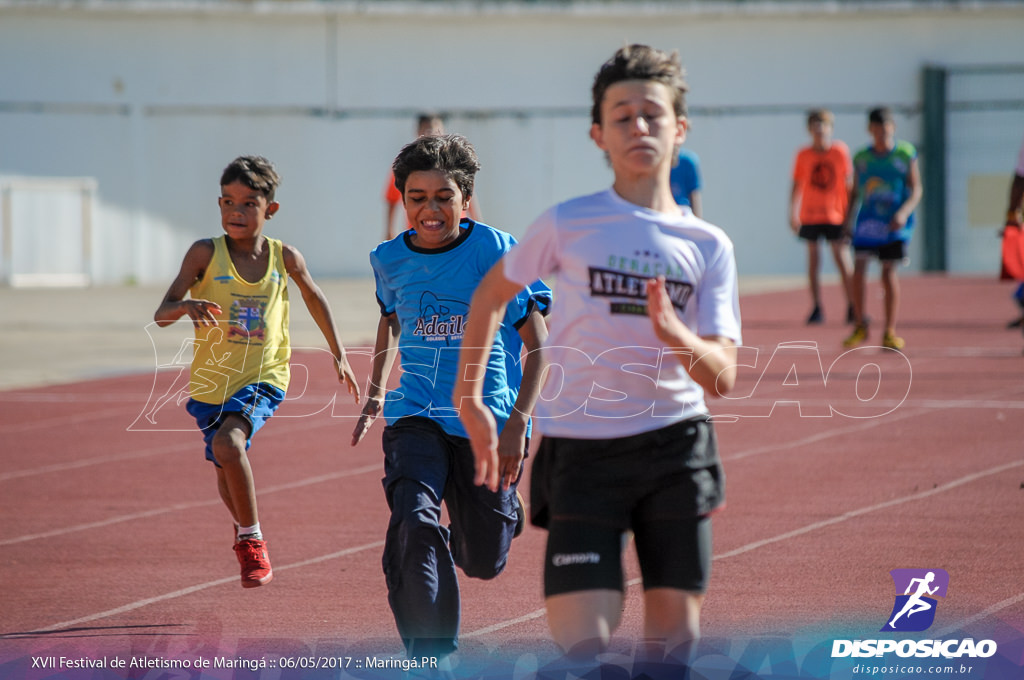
{"points": [[886, 189]]}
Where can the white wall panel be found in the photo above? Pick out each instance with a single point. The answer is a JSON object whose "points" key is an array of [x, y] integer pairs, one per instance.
{"points": [[153, 99]]}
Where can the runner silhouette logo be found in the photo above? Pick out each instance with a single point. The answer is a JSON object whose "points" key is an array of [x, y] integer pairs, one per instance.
{"points": [[916, 590]]}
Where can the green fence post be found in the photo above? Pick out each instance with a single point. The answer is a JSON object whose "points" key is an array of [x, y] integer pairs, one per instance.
{"points": [[933, 167]]}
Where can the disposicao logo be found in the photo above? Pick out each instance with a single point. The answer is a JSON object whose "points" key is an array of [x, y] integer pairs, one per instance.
{"points": [[914, 609]]}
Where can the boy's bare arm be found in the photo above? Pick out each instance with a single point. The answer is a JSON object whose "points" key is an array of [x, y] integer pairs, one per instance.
{"points": [[794, 205], [695, 204], [1013, 212], [710, 360], [916, 192], [389, 219], [851, 210], [384, 351], [174, 305], [320, 310], [512, 441], [485, 313]]}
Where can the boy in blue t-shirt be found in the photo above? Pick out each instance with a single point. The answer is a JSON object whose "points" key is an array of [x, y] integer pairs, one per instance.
{"points": [[425, 279], [887, 183], [685, 180]]}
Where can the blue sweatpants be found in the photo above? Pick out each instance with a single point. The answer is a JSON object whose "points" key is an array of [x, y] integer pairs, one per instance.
{"points": [[424, 465]]}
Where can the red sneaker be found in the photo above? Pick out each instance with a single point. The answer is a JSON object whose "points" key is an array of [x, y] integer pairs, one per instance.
{"points": [[252, 555]]}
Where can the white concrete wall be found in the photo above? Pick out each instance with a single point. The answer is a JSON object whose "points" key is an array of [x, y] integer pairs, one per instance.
{"points": [[153, 99]]}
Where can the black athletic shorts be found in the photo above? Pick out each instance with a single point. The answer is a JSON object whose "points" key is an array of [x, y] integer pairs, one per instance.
{"points": [[662, 484], [887, 252], [813, 232]]}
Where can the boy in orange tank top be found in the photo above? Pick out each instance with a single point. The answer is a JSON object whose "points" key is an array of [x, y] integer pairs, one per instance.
{"points": [[237, 300], [822, 181]]}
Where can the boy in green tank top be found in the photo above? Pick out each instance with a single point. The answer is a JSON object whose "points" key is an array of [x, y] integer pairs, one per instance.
{"points": [[237, 299]]}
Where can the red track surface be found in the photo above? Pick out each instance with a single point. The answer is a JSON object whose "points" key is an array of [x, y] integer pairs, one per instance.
{"points": [[113, 538]]}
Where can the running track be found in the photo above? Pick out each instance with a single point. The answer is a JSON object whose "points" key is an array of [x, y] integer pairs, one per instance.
{"points": [[113, 539]]}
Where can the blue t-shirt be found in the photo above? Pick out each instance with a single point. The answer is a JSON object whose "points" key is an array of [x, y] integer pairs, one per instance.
{"points": [[685, 176], [430, 291], [882, 187]]}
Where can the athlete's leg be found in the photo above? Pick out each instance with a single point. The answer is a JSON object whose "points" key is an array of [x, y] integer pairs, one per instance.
{"points": [[225, 493], [813, 267], [672, 617], [583, 585], [423, 589], [582, 622], [483, 522], [841, 255], [891, 286], [857, 287], [675, 560], [234, 477]]}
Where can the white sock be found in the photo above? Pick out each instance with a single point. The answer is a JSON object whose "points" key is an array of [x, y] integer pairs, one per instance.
{"points": [[250, 532]]}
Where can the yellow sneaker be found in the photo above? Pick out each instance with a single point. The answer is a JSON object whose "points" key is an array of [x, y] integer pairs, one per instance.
{"points": [[891, 341], [859, 335]]}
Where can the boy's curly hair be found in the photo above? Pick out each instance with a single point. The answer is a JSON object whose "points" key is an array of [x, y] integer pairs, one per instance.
{"points": [[451, 154]]}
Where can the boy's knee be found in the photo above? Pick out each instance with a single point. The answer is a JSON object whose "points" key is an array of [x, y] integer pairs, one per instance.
{"points": [[483, 571], [414, 532], [228, 449], [484, 558]]}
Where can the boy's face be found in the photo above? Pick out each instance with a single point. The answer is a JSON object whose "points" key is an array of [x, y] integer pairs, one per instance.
{"points": [[243, 211], [821, 132], [883, 133], [434, 205], [639, 129]]}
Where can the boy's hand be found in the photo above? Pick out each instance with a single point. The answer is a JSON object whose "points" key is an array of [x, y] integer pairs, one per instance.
{"points": [[511, 452], [483, 437], [371, 409], [202, 312], [347, 377], [667, 325]]}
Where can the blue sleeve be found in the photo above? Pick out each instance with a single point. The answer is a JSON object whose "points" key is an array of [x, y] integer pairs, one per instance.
{"points": [[385, 294], [685, 176], [535, 297], [695, 172]]}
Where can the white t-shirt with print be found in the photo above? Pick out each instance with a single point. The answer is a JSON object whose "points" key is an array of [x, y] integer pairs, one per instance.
{"points": [[610, 375]]}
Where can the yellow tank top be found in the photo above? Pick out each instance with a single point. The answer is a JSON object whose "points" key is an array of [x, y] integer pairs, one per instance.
{"points": [[250, 344]]}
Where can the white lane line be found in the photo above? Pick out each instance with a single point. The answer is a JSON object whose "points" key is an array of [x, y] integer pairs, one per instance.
{"points": [[194, 446], [922, 407], [871, 508], [309, 481], [62, 421], [99, 460], [536, 614], [867, 424], [138, 604], [997, 607]]}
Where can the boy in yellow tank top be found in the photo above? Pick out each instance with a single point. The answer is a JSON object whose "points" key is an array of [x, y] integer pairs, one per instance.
{"points": [[237, 287]]}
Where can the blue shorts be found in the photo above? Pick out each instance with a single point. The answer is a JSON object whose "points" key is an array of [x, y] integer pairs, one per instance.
{"points": [[255, 403]]}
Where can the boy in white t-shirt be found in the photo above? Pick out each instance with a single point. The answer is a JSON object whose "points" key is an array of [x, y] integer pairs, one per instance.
{"points": [[645, 321]]}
